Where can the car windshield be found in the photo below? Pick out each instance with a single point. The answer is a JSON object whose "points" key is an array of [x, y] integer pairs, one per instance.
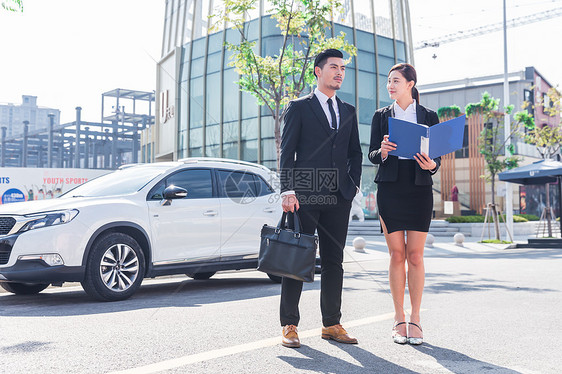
{"points": [[120, 182]]}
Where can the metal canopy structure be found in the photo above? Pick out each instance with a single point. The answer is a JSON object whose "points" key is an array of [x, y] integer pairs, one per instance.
{"points": [[118, 112], [540, 172], [82, 144], [130, 94]]}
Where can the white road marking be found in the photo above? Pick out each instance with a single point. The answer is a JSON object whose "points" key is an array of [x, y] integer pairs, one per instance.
{"points": [[222, 352]]}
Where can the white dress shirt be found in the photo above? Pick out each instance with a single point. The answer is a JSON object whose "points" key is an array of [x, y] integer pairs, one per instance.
{"points": [[323, 98], [406, 115], [409, 115]]}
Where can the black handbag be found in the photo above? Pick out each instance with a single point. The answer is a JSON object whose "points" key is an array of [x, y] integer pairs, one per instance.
{"points": [[288, 253]]}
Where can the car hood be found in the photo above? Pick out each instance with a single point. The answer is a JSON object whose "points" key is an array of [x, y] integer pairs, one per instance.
{"points": [[38, 206]]}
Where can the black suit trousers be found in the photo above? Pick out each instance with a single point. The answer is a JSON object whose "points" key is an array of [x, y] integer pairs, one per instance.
{"points": [[331, 221]]}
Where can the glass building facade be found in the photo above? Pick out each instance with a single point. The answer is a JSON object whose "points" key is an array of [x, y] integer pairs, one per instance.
{"points": [[216, 119]]}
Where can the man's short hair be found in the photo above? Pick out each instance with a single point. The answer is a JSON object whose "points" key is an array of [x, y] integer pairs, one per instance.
{"points": [[323, 56]]}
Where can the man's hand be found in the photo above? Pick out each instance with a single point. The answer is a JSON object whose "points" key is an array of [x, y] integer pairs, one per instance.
{"points": [[290, 203]]}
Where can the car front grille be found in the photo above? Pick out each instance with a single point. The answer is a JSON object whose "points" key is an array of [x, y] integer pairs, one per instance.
{"points": [[6, 224], [5, 250]]}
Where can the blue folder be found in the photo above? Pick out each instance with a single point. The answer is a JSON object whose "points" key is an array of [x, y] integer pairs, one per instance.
{"points": [[435, 141]]}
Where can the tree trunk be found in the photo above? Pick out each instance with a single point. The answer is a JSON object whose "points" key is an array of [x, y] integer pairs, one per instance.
{"points": [[494, 208], [548, 217], [493, 189], [496, 221], [277, 130]]}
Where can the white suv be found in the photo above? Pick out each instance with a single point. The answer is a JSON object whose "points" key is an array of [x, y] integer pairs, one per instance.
{"points": [[196, 216]]}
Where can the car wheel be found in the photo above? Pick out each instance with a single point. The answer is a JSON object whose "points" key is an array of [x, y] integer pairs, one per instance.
{"points": [[115, 268], [24, 288], [275, 278], [201, 276]]}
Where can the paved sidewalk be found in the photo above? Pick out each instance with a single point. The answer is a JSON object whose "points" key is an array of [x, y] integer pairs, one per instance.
{"points": [[444, 243], [484, 311], [376, 248]]}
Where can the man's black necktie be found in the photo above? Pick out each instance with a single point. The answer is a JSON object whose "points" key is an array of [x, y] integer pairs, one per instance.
{"points": [[333, 114]]}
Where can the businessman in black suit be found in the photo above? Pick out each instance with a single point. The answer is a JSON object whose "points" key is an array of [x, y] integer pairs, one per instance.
{"points": [[320, 175]]}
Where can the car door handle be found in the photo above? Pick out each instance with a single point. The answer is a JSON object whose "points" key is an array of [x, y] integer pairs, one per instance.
{"points": [[210, 213], [269, 210]]}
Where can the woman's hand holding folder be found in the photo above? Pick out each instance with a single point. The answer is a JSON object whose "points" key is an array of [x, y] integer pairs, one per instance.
{"points": [[424, 161], [386, 146]]}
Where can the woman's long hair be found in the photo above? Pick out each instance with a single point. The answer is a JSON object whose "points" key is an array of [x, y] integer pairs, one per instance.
{"points": [[409, 73]]}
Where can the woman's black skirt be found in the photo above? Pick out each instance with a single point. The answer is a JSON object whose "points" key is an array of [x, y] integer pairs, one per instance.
{"points": [[402, 204]]}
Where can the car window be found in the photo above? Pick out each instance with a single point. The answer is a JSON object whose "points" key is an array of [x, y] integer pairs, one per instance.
{"points": [[197, 182], [156, 193], [262, 187], [119, 182], [236, 184]]}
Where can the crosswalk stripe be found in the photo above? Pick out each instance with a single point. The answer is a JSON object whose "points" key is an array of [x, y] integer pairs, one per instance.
{"points": [[241, 348]]}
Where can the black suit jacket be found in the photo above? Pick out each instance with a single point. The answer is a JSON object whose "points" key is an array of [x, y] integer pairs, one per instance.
{"points": [[388, 170], [309, 147]]}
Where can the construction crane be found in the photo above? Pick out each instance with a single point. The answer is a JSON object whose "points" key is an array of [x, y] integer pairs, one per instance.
{"points": [[519, 21]]}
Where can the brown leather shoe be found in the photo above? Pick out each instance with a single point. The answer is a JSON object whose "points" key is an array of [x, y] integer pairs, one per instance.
{"points": [[290, 337], [337, 333]]}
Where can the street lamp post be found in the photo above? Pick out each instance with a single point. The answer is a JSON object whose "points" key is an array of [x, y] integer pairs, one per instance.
{"points": [[507, 126]]}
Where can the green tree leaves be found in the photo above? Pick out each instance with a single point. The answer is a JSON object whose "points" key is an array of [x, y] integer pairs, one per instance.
{"points": [[546, 138], [491, 143], [13, 5], [277, 79]]}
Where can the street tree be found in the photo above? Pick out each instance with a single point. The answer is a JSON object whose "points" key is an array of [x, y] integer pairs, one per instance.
{"points": [[275, 80], [13, 5], [492, 145], [546, 138]]}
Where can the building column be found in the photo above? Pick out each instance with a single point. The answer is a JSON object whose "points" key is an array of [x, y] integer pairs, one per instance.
{"points": [[70, 156], [23, 160], [86, 148], [95, 153], [106, 152], [146, 138], [114, 145], [61, 150], [40, 153], [3, 159], [77, 143], [50, 141], [135, 143]]}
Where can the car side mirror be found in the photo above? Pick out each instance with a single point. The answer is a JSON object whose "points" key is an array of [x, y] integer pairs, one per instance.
{"points": [[173, 192]]}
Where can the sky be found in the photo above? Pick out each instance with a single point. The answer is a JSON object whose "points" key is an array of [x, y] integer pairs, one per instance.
{"points": [[538, 44], [69, 52]]}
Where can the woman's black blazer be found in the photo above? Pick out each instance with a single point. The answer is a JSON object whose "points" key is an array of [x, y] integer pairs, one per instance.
{"points": [[388, 170]]}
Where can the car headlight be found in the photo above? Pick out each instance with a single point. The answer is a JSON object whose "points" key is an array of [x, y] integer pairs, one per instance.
{"points": [[47, 219]]}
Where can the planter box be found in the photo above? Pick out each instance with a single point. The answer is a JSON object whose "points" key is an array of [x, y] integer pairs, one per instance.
{"points": [[475, 229]]}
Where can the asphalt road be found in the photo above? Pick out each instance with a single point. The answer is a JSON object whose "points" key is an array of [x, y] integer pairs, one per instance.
{"points": [[485, 310]]}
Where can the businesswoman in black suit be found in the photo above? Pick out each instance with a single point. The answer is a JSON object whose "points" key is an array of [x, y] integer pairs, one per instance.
{"points": [[404, 198]]}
